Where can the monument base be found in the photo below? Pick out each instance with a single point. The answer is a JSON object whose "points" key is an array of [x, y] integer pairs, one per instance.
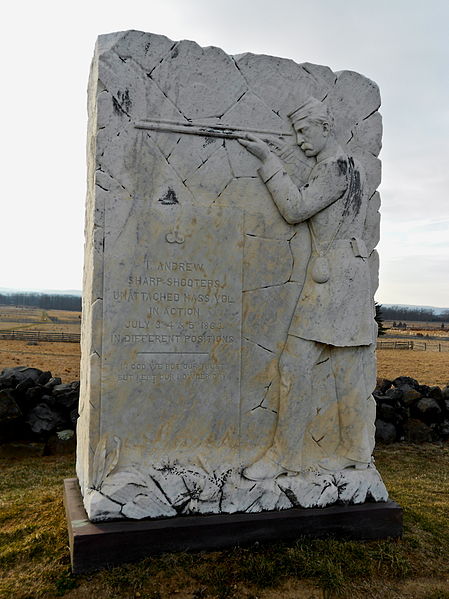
{"points": [[94, 546]]}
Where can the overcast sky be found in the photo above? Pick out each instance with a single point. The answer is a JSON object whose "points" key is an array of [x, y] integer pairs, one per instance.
{"points": [[46, 48]]}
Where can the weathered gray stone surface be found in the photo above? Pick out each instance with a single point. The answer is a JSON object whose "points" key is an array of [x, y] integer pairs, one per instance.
{"points": [[192, 277]]}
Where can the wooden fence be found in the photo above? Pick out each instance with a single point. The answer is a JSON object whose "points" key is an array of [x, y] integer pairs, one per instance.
{"points": [[41, 336], [75, 338], [413, 345]]}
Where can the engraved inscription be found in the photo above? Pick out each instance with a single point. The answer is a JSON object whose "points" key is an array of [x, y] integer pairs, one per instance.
{"points": [[172, 324]]}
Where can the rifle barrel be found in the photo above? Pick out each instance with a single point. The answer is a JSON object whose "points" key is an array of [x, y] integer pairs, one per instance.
{"points": [[204, 130]]}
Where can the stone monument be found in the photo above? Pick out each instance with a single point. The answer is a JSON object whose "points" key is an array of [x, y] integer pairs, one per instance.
{"points": [[228, 317]]}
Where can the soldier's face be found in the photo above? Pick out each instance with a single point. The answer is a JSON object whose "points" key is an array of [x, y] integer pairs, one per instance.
{"points": [[311, 137]]}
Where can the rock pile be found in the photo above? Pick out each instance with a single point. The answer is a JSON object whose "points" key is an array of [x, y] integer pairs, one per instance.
{"points": [[408, 411], [37, 407]]}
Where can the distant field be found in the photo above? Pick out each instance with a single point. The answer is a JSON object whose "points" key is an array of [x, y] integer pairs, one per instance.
{"points": [[432, 329], [62, 359], [37, 319]]}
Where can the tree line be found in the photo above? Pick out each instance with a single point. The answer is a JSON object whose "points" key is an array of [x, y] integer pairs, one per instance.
{"points": [[409, 313], [42, 300]]}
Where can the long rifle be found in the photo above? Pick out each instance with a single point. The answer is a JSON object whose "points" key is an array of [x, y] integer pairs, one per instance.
{"points": [[205, 130]]}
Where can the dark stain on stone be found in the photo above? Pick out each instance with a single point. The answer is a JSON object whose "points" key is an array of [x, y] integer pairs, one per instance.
{"points": [[169, 198], [175, 53], [117, 108], [124, 100], [147, 47], [207, 141], [354, 196], [122, 104], [342, 165]]}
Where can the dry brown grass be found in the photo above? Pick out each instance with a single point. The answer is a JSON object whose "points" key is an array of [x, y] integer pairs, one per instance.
{"points": [[427, 367], [62, 359]]}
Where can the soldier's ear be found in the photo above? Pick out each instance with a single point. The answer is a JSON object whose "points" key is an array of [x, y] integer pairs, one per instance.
{"points": [[326, 128]]}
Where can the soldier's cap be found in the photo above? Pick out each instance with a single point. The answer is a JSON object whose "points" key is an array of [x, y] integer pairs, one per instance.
{"points": [[311, 108]]}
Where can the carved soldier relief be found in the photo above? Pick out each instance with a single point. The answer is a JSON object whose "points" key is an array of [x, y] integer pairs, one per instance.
{"points": [[228, 321]]}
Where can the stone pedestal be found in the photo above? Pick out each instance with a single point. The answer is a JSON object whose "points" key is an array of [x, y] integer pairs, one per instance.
{"points": [[95, 546]]}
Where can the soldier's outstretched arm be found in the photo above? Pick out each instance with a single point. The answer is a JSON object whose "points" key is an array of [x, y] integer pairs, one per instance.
{"points": [[326, 184]]}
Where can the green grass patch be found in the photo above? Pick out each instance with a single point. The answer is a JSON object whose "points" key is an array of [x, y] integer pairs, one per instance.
{"points": [[34, 556]]}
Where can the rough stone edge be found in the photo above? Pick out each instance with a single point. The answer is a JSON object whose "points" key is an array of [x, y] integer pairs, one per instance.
{"points": [[88, 427]]}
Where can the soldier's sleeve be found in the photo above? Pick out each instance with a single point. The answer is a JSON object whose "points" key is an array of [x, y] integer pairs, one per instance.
{"points": [[326, 184]]}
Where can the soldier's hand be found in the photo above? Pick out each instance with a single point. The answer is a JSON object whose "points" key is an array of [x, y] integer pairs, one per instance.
{"points": [[256, 146]]}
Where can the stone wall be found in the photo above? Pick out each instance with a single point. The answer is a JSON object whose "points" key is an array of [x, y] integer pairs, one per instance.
{"points": [[408, 411]]}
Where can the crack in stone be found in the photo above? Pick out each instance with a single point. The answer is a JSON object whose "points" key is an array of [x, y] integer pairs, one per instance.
{"points": [[107, 496], [293, 258], [222, 191], [269, 286], [316, 78], [267, 388], [230, 164], [238, 99], [102, 169], [171, 166], [167, 98], [371, 113], [162, 59], [198, 168], [168, 156], [191, 173], [250, 89], [317, 441], [289, 494], [251, 504], [101, 187], [161, 490], [255, 343]]}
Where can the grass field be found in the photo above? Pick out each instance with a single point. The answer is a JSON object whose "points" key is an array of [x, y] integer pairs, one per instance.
{"points": [[34, 556]]}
